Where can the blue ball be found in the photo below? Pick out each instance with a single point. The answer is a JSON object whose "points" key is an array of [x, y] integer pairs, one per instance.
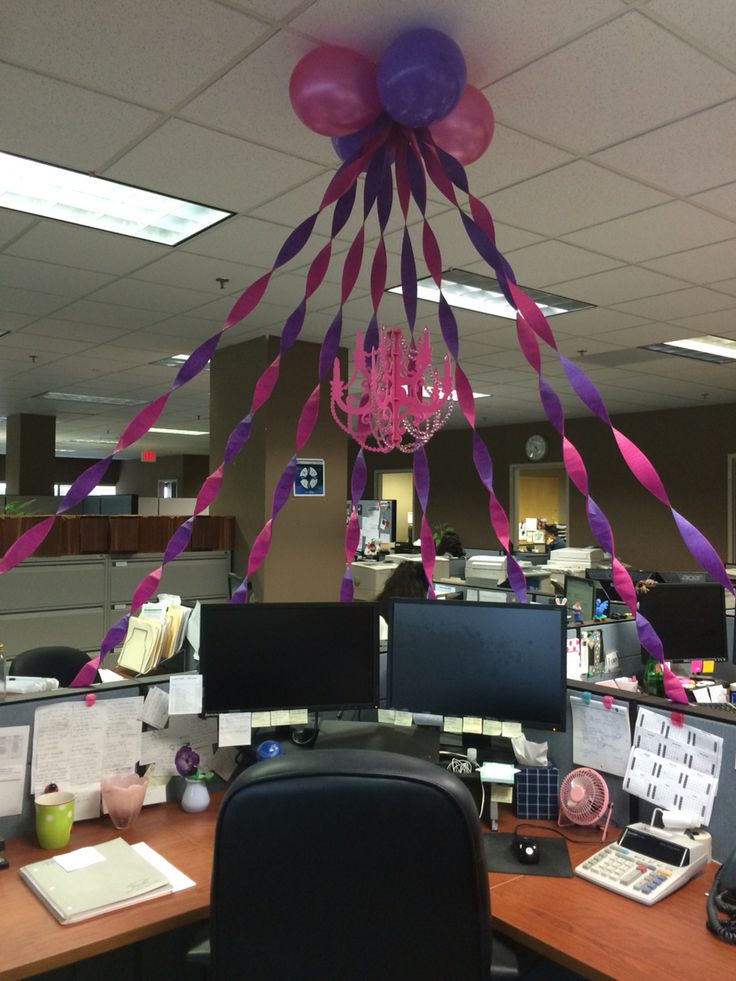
{"points": [[421, 77], [268, 749]]}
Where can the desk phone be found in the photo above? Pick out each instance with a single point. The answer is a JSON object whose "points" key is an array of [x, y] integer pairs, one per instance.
{"points": [[647, 863]]}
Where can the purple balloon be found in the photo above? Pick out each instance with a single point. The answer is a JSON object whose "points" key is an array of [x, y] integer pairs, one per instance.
{"points": [[348, 147], [421, 77]]}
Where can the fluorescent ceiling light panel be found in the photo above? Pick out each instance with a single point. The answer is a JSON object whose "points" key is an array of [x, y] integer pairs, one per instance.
{"points": [[717, 350], [176, 361], [54, 192], [471, 291], [93, 399], [181, 432]]}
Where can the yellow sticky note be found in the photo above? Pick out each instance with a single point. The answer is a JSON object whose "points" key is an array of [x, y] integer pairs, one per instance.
{"points": [[280, 717], [491, 727], [387, 715], [453, 724], [298, 717], [709, 667], [404, 719], [260, 719], [471, 724], [511, 729], [501, 793]]}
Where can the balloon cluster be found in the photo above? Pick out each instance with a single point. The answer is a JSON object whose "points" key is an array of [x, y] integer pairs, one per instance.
{"points": [[420, 81]]}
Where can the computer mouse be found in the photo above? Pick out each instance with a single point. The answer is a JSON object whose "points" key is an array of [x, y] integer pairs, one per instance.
{"points": [[525, 849]]}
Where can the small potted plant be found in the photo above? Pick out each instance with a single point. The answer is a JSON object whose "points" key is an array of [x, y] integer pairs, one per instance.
{"points": [[196, 796]]}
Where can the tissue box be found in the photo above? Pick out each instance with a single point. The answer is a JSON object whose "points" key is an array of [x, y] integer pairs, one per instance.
{"points": [[536, 792]]}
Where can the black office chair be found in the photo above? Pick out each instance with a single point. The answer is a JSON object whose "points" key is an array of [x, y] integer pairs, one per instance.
{"points": [[350, 864], [62, 663]]}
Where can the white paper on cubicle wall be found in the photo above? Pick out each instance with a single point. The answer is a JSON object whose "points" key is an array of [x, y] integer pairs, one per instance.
{"points": [[675, 767], [74, 745], [600, 736], [13, 756]]}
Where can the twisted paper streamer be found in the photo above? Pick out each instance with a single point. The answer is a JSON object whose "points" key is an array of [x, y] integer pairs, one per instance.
{"points": [[420, 472], [352, 530]]}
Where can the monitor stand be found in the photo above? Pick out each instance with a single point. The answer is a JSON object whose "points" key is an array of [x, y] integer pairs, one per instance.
{"points": [[422, 742]]}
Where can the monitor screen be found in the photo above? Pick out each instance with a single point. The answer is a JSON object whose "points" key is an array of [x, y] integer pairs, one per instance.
{"points": [[580, 596], [689, 618], [487, 660], [262, 656], [603, 579]]}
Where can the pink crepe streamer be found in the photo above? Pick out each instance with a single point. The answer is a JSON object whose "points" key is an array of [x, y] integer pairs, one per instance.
{"points": [[352, 531], [420, 472]]}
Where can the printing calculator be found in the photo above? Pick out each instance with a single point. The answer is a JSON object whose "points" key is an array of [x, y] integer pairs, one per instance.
{"points": [[647, 863]]}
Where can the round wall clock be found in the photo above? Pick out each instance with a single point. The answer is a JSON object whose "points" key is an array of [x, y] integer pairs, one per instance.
{"points": [[536, 447]]}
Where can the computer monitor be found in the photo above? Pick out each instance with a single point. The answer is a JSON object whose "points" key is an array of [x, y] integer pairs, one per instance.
{"points": [[604, 581], [580, 595], [696, 575], [263, 656], [690, 619], [486, 660]]}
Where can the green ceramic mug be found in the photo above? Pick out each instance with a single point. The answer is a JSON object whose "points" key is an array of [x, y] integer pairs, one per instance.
{"points": [[54, 818]]}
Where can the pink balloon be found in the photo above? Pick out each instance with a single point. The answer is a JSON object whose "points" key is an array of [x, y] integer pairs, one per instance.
{"points": [[333, 91], [467, 130]]}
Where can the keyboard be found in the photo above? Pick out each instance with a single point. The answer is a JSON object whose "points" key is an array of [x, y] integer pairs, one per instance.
{"points": [[644, 878]]}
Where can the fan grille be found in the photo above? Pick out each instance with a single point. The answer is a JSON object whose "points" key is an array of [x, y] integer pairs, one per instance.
{"points": [[583, 796]]}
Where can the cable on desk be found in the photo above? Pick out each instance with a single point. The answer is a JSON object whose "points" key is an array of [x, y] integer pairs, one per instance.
{"points": [[545, 827]]}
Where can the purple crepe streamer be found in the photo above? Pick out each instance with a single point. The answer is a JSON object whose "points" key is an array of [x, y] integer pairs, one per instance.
{"points": [[408, 280]]}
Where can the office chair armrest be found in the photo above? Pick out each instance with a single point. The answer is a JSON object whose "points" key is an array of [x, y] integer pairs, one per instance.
{"points": [[504, 962], [199, 955]]}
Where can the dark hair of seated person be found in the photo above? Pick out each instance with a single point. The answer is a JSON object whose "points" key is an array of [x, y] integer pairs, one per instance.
{"points": [[450, 544], [408, 581]]}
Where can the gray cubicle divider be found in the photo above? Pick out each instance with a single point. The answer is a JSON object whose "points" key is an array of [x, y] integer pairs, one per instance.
{"points": [[560, 754], [723, 824]]}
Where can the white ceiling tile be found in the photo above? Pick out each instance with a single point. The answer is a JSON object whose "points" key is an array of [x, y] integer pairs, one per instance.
{"points": [[553, 262], [511, 157], [704, 265], [247, 103], [221, 171], [196, 272], [571, 197], [29, 302], [619, 78], [509, 238], [14, 321], [272, 10], [708, 22], [725, 286], [85, 248], [627, 283], [27, 340], [176, 48], [684, 157], [683, 303], [109, 314], [721, 323], [722, 199], [13, 224], [669, 227], [60, 132], [152, 296], [49, 277], [250, 241], [593, 322], [645, 334], [83, 332]]}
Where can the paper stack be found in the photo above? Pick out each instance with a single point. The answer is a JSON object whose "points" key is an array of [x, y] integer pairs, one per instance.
{"points": [[156, 635]]}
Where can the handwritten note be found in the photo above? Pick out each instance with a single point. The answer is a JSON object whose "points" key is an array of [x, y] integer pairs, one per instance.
{"points": [[185, 694], [235, 729], [13, 754], [601, 736]]}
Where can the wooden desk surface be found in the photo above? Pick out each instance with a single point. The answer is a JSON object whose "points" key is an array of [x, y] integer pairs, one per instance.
{"points": [[34, 941], [580, 925], [600, 934]]}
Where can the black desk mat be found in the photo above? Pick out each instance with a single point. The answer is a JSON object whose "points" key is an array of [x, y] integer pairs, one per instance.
{"points": [[553, 857]]}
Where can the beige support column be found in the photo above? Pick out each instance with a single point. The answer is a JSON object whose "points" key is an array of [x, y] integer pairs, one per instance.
{"points": [[30, 454], [306, 558]]}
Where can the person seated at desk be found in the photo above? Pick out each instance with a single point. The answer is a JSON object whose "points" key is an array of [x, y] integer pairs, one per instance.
{"points": [[451, 545], [552, 538], [408, 581]]}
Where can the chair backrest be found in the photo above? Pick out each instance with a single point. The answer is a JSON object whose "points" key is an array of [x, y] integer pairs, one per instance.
{"points": [[62, 663], [349, 864]]}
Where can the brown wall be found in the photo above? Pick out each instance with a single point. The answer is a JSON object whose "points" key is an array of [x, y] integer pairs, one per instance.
{"points": [[141, 478], [689, 448], [305, 561]]}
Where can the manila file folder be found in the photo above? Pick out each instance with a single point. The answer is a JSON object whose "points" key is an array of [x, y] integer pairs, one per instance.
{"points": [[123, 877]]}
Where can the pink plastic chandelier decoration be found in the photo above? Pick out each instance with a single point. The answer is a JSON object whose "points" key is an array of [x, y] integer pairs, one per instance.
{"points": [[403, 400], [411, 119]]}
